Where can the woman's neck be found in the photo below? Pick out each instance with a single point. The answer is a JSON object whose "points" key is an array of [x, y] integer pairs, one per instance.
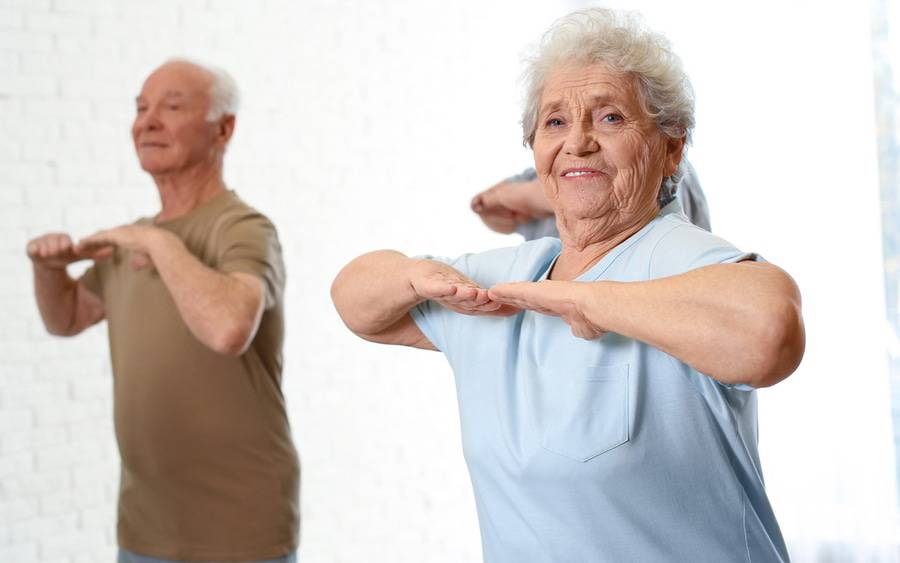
{"points": [[585, 242]]}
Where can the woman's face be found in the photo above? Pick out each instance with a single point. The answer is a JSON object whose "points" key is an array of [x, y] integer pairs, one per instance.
{"points": [[598, 155]]}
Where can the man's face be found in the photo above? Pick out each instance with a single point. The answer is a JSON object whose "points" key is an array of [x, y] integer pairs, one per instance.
{"points": [[170, 130]]}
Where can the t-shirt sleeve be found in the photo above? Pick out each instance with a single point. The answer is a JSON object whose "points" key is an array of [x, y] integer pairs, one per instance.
{"points": [[435, 321], [688, 247], [448, 330], [249, 244], [538, 228]]}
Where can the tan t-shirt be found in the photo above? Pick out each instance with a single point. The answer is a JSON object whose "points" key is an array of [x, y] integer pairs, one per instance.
{"points": [[208, 467]]}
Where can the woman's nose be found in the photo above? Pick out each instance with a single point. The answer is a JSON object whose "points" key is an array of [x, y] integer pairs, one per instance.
{"points": [[581, 140]]}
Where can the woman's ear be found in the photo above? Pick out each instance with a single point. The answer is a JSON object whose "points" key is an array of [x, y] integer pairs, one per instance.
{"points": [[674, 152]]}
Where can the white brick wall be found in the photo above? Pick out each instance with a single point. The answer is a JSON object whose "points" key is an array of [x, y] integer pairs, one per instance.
{"points": [[344, 128]]}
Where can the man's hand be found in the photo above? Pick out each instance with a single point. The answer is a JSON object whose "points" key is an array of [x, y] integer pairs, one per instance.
{"points": [[563, 299], [438, 282], [508, 204], [139, 240], [55, 251], [66, 306]]}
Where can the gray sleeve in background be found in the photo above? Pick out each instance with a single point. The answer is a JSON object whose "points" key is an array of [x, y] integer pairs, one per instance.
{"points": [[691, 197], [689, 194], [536, 228]]}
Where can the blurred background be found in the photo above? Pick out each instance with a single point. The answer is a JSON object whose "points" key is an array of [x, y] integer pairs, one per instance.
{"points": [[370, 125]]}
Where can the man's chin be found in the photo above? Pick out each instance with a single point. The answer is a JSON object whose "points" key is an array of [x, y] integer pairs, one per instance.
{"points": [[154, 167]]}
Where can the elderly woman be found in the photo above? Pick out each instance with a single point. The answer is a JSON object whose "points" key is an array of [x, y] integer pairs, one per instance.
{"points": [[606, 378]]}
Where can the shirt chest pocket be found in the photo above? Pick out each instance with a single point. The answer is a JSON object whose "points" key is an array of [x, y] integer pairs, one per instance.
{"points": [[582, 412]]}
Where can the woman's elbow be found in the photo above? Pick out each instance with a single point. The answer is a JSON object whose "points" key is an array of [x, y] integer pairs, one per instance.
{"points": [[783, 342], [341, 297]]}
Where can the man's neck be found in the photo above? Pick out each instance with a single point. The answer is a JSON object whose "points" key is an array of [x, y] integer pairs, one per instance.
{"points": [[185, 191]]}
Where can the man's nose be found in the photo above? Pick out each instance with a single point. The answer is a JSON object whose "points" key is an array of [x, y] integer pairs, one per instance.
{"points": [[147, 119]]}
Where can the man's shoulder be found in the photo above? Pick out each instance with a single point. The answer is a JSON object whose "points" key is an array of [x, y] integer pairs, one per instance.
{"points": [[236, 213], [234, 206]]}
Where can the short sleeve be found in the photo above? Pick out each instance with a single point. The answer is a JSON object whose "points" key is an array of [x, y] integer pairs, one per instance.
{"points": [[448, 330], [433, 320], [688, 247], [248, 243], [538, 228], [691, 197]]}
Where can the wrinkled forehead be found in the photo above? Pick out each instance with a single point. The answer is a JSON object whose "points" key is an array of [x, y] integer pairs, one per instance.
{"points": [[177, 80], [589, 84]]}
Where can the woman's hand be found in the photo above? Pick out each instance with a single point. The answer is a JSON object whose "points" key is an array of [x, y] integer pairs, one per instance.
{"points": [[438, 282], [564, 299]]}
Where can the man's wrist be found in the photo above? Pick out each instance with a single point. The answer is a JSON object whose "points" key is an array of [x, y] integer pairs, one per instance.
{"points": [[161, 242], [44, 268]]}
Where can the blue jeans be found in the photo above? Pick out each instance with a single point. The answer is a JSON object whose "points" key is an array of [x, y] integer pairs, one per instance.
{"points": [[126, 556]]}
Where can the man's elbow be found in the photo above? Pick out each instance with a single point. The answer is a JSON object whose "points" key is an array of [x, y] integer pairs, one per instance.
{"points": [[233, 340]]}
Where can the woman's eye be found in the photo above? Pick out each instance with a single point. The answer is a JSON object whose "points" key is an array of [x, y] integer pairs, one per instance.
{"points": [[611, 118], [554, 122], [174, 107]]}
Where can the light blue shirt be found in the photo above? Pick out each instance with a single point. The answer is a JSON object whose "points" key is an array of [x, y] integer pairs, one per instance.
{"points": [[606, 450]]}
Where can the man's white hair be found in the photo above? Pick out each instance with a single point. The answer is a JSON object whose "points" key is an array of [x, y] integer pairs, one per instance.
{"points": [[224, 97]]}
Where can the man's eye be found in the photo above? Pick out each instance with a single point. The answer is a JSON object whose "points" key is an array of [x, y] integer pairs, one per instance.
{"points": [[141, 109], [173, 107]]}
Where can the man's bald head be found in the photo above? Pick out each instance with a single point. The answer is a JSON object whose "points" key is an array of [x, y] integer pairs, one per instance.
{"points": [[219, 87]]}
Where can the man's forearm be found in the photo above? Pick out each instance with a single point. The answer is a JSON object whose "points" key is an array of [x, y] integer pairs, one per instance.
{"points": [[737, 323], [374, 291], [55, 292], [219, 310]]}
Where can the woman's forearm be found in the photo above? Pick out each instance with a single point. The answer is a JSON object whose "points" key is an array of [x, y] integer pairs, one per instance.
{"points": [[737, 323], [374, 291]]}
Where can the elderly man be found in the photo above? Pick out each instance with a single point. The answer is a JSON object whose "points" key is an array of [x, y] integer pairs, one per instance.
{"points": [[193, 296]]}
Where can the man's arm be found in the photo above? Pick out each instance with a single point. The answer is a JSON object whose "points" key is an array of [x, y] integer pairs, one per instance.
{"points": [[374, 293], [221, 310], [510, 203], [736, 323], [65, 305]]}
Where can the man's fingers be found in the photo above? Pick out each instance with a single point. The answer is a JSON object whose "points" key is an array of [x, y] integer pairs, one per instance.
{"points": [[101, 254], [93, 243]]}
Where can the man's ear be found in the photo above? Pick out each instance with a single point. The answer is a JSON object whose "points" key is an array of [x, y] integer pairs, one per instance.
{"points": [[225, 129]]}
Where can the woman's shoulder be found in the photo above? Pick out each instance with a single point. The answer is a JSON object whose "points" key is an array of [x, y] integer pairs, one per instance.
{"points": [[526, 261]]}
